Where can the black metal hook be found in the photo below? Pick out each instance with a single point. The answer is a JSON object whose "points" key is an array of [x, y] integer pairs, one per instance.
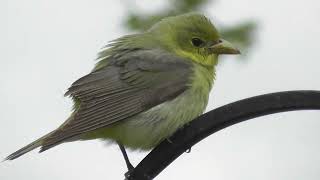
{"points": [[166, 152]]}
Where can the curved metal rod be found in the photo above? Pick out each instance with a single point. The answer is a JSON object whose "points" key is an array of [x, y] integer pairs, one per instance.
{"points": [[166, 152]]}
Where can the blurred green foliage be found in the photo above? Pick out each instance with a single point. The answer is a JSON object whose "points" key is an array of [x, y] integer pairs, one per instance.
{"points": [[241, 34]]}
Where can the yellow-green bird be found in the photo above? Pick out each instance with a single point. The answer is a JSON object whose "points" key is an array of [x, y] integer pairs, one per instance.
{"points": [[144, 87]]}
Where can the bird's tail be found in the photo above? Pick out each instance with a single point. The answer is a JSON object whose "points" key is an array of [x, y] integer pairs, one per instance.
{"points": [[28, 148]]}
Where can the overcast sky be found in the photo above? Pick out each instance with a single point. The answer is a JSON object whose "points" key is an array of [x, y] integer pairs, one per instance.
{"points": [[46, 45]]}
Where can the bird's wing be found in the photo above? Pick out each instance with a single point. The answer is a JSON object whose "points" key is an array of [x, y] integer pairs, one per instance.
{"points": [[128, 85]]}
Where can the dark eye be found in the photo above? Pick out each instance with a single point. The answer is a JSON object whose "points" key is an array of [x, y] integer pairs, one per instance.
{"points": [[197, 42]]}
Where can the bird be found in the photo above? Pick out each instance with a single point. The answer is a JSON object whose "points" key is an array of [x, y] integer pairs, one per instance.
{"points": [[144, 86]]}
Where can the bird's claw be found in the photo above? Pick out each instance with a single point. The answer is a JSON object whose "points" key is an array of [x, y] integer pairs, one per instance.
{"points": [[128, 173], [188, 150]]}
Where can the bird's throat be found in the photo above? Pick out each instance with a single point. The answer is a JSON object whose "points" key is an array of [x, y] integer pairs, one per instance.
{"points": [[209, 60]]}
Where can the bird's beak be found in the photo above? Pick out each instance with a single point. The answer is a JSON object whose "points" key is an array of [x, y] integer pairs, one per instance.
{"points": [[224, 47]]}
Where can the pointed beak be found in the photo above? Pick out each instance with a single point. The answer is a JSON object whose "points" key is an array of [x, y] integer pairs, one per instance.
{"points": [[224, 47]]}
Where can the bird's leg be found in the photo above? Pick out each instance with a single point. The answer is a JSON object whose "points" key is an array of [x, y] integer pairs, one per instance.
{"points": [[125, 156]]}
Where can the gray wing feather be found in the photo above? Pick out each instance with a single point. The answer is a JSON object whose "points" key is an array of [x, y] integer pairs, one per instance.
{"points": [[129, 85]]}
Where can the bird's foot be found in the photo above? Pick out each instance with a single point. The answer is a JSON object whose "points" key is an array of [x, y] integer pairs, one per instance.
{"points": [[169, 140], [188, 150], [128, 173]]}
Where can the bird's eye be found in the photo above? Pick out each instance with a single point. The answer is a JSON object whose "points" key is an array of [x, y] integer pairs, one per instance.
{"points": [[197, 42]]}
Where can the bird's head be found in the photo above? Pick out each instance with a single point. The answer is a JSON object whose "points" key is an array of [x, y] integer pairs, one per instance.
{"points": [[192, 36]]}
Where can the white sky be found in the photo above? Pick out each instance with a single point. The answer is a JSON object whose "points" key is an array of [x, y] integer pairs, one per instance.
{"points": [[46, 45]]}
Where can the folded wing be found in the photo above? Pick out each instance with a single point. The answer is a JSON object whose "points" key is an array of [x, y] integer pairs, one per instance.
{"points": [[128, 85]]}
